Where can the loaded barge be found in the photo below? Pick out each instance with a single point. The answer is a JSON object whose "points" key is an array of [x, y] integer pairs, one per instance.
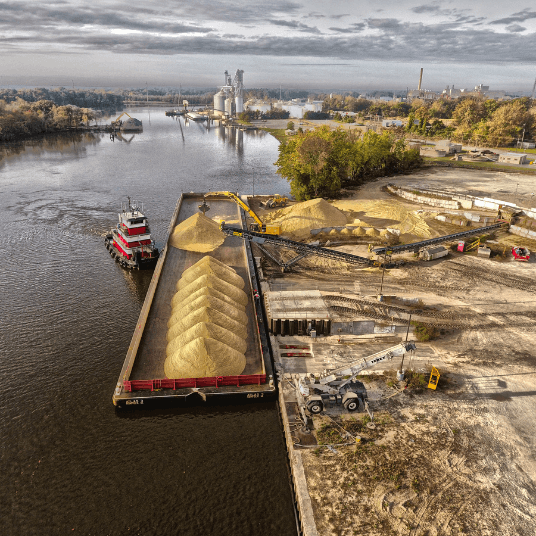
{"points": [[142, 380]]}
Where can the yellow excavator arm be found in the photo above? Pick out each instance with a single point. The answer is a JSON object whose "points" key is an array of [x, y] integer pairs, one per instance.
{"points": [[273, 229], [124, 113], [240, 203]]}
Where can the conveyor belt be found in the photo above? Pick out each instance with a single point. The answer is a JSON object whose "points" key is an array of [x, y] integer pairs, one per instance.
{"points": [[303, 249], [415, 246]]}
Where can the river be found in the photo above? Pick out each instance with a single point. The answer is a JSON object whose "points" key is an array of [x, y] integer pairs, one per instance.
{"points": [[70, 462]]}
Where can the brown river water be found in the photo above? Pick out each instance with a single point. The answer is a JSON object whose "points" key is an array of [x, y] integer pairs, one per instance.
{"points": [[70, 463]]}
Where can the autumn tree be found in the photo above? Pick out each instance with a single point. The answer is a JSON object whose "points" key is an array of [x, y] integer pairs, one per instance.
{"points": [[508, 122], [321, 162]]}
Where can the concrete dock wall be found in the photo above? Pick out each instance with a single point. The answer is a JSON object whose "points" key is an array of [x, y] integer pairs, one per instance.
{"points": [[297, 471]]}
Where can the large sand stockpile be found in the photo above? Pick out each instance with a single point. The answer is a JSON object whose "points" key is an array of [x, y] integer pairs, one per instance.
{"points": [[411, 222], [302, 217], [197, 233], [208, 326]]}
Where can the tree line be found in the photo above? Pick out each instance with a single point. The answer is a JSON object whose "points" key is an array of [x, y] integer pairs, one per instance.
{"points": [[319, 163], [20, 119], [98, 99], [470, 119]]}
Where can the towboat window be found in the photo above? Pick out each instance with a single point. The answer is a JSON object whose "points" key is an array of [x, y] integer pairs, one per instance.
{"points": [[136, 220]]}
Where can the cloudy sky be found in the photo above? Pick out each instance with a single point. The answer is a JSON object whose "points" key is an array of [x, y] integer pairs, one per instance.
{"points": [[296, 43]]}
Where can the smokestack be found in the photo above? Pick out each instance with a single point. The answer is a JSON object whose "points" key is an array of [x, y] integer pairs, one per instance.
{"points": [[420, 80]]}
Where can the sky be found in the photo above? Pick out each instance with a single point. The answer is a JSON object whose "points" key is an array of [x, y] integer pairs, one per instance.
{"points": [[309, 44]]}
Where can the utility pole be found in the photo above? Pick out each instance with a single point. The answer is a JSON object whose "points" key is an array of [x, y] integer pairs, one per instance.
{"points": [[380, 297], [400, 373], [147, 91]]}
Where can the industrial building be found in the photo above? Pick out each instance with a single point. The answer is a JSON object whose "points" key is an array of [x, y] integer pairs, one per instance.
{"points": [[513, 158], [298, 107], [229, 100]]}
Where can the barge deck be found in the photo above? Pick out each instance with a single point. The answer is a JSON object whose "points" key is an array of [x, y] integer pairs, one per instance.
{"points": [[142, 379]]}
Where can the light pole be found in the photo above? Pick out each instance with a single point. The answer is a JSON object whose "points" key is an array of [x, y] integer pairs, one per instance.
{"points": [[400, 373], [380, 296]]}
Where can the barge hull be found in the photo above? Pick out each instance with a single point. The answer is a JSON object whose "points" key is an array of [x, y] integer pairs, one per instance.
{"points": [[142, 380]]}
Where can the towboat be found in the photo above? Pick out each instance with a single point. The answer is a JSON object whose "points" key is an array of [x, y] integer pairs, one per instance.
{"points": [[130, 243], [520, 253]]}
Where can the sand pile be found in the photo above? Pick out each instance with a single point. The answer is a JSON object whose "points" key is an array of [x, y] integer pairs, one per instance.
{"points": [[197, 233], [206, 314], [345, 231], [208, 326], [302, 217], [372, 232], [213, 282], [211, 267], [204, 358], [208, 291], [410, 221], [208, 330], [359, 231]]}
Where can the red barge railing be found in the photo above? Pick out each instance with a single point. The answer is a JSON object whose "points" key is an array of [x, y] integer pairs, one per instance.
{"points": [[183, 383]]}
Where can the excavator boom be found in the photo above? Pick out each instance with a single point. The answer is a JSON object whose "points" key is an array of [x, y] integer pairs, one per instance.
{"points": [[261, 227]]}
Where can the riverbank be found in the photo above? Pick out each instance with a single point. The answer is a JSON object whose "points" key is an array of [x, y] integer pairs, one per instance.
{"points": [[457, 459]]}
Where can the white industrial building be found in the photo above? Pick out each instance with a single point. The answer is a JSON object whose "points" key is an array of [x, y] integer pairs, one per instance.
{"points": [[229, 100], [298, 107], [257, 105]]}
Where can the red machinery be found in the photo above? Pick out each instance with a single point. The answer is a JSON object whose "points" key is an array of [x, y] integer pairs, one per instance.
{"points": [[521, 253]]}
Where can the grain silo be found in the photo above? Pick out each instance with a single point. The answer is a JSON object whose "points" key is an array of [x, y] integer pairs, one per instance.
{"points": [[219, 102]]}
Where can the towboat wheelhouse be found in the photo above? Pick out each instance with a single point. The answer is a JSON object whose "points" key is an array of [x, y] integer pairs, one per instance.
{"points": [[130, 241]]}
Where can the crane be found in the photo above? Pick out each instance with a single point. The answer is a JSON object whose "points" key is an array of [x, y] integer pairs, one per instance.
{"points": [[117, 122], [258, 226], [338, 385]]}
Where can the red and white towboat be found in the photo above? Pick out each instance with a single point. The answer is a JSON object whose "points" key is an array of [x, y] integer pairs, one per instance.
{"points": [[520, 253], [130, 241]]}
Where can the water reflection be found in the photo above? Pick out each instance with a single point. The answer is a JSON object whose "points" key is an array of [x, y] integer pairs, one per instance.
{"points": [[67, 316]]}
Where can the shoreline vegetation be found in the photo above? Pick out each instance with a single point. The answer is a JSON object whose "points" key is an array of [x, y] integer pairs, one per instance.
{"points": [[322, 162], [27, 114]]}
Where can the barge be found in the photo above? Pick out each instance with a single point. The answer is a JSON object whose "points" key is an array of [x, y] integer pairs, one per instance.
{"points": [[142, 380]]}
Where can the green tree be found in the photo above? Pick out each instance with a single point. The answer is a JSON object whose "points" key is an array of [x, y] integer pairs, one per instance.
{"points": [[508, 122], [320, 162]]}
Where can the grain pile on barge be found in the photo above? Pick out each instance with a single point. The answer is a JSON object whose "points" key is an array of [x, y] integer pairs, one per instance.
{"points": [[197, 233], [208, 328]]}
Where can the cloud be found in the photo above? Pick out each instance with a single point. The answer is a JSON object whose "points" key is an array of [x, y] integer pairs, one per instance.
{"points": [[515, 28], [520, 16], [295, 25], [435, 10], [219, 27], [353, 28]]}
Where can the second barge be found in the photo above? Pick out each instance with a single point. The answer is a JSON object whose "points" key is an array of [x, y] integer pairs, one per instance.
{"points": [[142, 379]]}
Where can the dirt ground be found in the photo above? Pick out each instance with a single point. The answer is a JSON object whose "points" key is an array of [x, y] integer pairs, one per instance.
{"points": [[459, 460]]}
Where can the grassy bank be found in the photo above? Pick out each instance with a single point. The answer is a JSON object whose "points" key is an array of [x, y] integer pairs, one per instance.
{"points": [[278, 133], [491, 166]]}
